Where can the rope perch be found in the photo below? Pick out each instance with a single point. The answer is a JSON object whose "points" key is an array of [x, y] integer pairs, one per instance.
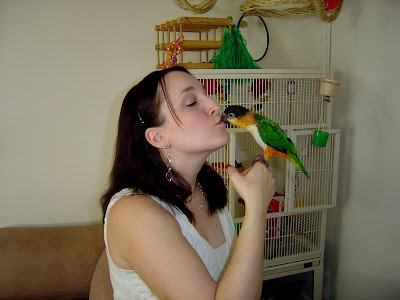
{"points": [[200, 8], [310, 7]]}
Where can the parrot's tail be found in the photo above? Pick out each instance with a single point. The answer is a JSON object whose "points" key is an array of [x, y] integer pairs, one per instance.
{"points": [[296, 161]]}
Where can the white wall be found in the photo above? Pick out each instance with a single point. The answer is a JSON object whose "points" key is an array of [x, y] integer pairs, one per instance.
{"points": [[65, 68], [363, 241], [66, 65]]}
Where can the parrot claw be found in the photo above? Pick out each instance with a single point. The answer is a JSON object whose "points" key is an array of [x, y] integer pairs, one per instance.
{"points": [[261, 159]]}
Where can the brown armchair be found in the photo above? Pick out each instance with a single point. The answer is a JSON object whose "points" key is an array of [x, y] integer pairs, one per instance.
{"points": [[66, 262]]}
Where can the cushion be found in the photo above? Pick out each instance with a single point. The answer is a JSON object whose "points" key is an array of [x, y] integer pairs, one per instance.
{"points": [[101, 288], [49, 262]]}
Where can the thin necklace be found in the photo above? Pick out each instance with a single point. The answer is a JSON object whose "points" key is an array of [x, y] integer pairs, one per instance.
{"points": [[202, 200]]}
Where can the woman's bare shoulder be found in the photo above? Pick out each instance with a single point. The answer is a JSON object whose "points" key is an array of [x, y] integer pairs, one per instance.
{"points": [[131, 221], [145, 237], [138, 208]]}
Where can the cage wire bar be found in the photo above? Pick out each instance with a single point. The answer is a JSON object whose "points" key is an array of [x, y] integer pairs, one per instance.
{"points": [[292, 238], [296, 222], [289, 99], [322, 164]]}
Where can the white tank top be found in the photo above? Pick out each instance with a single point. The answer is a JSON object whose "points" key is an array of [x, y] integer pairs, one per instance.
{"points": [[128, 285]]}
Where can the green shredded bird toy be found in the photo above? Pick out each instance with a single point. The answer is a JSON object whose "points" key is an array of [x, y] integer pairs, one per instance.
{"points": [[233, 53], [266, 133]]}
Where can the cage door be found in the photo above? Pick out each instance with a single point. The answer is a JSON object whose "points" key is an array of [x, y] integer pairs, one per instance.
{"points": [[318, 192]]}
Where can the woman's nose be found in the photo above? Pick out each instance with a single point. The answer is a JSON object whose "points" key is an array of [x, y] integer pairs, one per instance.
{"points": [[215, 108]]}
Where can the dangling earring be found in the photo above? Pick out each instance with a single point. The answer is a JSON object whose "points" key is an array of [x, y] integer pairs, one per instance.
{"points": [[168, 175]]}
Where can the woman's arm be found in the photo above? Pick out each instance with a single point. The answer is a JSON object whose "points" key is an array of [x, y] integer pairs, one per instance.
{"points": [[145, 237], [243, 276]]}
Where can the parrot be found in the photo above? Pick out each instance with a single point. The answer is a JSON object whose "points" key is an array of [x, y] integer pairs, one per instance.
{"points": [[266, 133]]}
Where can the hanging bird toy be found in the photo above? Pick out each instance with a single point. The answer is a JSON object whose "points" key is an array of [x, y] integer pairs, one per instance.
{"points": [[173, 48], [233, 53], [266, 133]]}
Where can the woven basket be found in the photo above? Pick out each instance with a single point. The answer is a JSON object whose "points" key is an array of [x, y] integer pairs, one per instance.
{"points": [[310, 7]]}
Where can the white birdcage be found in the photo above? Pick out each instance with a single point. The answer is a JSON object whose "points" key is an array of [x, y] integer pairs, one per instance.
{"points": [[295, 225]]}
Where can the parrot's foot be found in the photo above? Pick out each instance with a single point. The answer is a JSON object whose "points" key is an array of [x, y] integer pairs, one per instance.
{"points": [[261, 159]]}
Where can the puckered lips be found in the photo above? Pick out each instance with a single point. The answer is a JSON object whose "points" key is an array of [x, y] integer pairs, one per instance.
{"points": [[223, 119]]}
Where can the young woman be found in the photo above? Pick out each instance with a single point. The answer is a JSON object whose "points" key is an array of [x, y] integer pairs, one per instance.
{"points": [[168, 234]]}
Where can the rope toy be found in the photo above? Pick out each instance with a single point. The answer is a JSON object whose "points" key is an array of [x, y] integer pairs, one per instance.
{"points": [[173, 48], [201, 8], [327, 10]]}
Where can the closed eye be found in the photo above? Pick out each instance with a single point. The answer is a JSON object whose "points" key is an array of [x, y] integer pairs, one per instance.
{"points": [[192, 104]]}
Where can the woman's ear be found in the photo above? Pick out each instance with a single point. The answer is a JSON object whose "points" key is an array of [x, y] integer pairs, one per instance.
{"points": [[154, 137]]}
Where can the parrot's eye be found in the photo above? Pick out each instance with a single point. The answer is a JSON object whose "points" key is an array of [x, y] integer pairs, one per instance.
{"points": [[231, 115]]}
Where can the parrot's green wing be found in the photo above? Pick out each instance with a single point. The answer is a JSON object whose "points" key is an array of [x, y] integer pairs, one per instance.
{"points": [[273, 135]]}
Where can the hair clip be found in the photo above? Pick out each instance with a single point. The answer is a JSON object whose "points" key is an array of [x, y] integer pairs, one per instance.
{"points": [[141, 120]]}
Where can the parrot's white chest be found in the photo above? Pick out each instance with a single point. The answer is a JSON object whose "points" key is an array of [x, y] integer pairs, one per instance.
{"points": [[256, 135]]}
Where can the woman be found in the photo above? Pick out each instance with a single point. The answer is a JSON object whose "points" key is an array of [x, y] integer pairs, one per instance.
{"points": [[168, 234]]}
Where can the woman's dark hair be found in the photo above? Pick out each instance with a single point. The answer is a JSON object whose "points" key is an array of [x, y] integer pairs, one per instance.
{"points": [[138, 165]]}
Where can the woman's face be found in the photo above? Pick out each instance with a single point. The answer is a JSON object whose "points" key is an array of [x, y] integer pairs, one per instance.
{"points": [[199, 128]]}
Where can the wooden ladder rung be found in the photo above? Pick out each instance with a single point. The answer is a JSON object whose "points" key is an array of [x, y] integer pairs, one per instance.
{"points": [[193, 45], [193, 65]]}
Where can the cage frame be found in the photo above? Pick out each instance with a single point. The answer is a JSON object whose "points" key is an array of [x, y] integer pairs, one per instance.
{"points": [[312, 238]]}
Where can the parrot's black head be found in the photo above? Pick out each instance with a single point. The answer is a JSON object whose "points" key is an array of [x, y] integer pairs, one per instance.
{"points": [[234, 114], [235, 111]]}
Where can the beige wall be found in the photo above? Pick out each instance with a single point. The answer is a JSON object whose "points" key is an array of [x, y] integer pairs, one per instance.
{"points": [[66, 65], [362, 249]]}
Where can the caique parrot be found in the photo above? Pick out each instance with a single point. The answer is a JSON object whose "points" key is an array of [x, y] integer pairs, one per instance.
{"points": [[267, 134]]}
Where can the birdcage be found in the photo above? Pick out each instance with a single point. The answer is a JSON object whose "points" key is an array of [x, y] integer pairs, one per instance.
{"points": [[199, 35], [295, 224]]}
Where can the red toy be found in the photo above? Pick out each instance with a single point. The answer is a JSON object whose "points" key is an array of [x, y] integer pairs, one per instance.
{"points": [[331, 4], [210, 86]]}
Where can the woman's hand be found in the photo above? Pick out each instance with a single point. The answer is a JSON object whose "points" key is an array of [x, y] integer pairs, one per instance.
{"points": [[255, 185]]}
